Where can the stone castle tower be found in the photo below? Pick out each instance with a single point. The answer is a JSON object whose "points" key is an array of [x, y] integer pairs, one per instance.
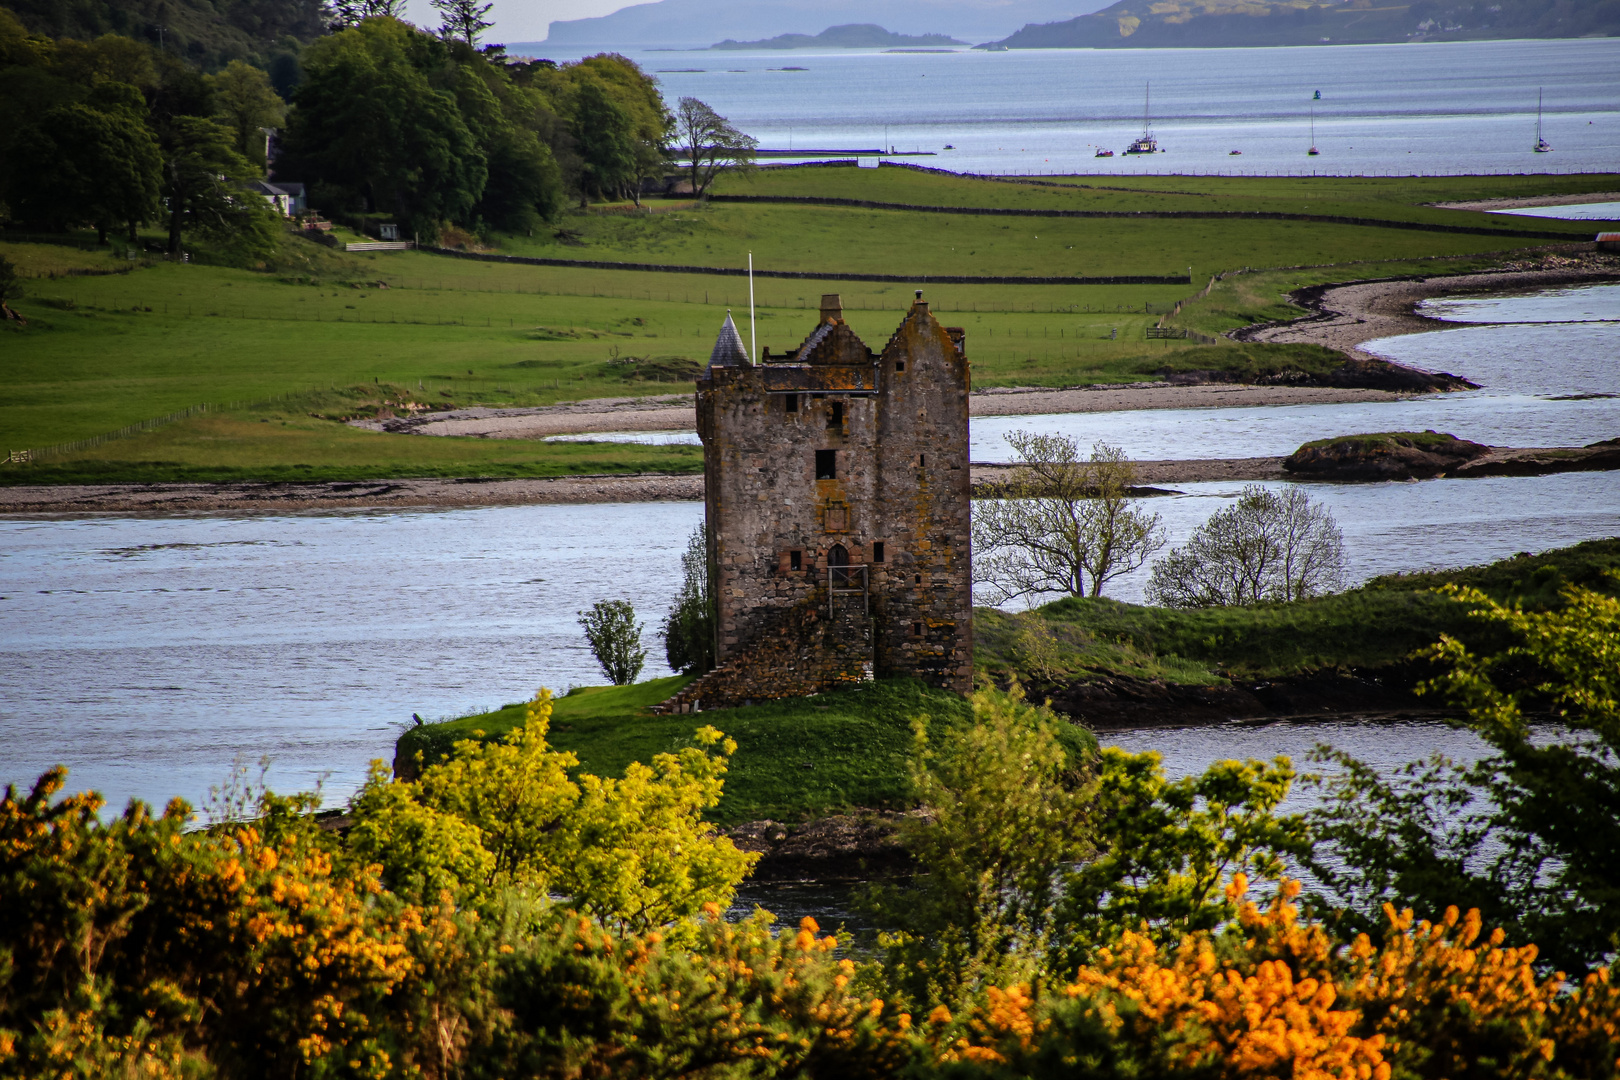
{"points": [[837, 491]]}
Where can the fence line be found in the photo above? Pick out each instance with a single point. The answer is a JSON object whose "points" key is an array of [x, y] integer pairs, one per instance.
{"points": [[23, 457]]}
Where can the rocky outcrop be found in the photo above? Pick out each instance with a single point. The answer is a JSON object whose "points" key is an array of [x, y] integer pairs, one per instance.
{"points": [[841, 847], [1353, 374], [1393, 455], [1119, 701]]}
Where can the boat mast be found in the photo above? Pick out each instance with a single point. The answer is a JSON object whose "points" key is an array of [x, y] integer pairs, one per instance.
{"points": [[1147, 97]]}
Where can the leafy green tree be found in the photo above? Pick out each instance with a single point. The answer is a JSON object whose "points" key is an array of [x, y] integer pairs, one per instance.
{"points": [[1006, 800], [1166, 849], [1529, 833], [615, 639], [81, 165], [204, 184], [374, 132], [633, 852], [605, 138], [688, 630], [245, 99]]}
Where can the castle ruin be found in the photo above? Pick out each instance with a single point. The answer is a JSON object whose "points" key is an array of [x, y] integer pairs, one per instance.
{"points": [[837, 511]]}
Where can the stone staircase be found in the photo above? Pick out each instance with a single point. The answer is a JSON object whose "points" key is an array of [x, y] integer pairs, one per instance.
{"points": [[803, 652]]}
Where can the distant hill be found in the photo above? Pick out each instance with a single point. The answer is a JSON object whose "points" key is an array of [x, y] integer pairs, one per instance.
{"points": [[1157, 24], [848, 36], [697, 24], [210, 33]]}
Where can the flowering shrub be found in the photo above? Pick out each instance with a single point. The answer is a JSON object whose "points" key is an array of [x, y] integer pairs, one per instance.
{"points": [[1275, 996]]}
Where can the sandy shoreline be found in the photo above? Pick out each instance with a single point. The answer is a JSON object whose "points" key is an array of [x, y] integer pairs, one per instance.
{"points": [[1349, 315], [659, 414], [1488, 205], [405, 494]]}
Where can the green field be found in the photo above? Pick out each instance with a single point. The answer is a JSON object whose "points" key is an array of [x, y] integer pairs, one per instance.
{"points": [[118, 342]]}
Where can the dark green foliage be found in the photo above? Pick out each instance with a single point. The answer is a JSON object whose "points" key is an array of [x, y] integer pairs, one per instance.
{"points": [[615, 639], [604, 138], [392, 121], [209, 33], [1246, 362], [1380, 623], [76, 165], [1529, 833], [688, 630]]}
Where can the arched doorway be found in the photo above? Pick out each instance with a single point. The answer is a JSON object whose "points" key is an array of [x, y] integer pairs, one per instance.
{"points": [[838, 566]]}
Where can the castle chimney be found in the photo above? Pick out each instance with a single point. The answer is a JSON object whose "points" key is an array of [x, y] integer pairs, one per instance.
{"points": [[920, 302], [832, 308]]}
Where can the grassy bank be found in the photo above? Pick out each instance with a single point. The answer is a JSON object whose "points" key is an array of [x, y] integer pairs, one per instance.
{"points": [[112, 342], [795, 759], [807, 757], [1373, 626]]}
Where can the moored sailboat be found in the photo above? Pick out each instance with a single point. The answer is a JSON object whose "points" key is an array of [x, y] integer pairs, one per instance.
{"points": [[1146, 144], [1542, 146]]}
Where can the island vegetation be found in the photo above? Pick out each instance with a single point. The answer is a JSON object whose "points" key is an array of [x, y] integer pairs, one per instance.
{"points": [[510, 908]]}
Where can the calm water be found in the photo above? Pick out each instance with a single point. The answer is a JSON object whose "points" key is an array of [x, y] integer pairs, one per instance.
{"points": [[1549, 365], [1417, 108], [151, 653], [1597, 211]]}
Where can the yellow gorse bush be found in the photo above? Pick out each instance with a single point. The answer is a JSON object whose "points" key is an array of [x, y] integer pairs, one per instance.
{"points": [[1276, 996]]}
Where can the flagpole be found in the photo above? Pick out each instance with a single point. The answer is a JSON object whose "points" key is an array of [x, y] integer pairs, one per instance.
{"points": [[753, 344]]}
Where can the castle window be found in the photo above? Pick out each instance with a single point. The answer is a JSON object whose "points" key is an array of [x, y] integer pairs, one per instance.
{"points": [[922, 460], [795, 560], [826, 464], [877, 551], [791, 403], [916, 629], [899, 365], [835, 416]]}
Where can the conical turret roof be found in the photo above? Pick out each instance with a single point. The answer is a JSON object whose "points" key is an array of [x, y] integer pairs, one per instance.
{"points": [[729, 350]]}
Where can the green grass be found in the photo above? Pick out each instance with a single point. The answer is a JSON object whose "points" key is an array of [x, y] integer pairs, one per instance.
{"points": [[102, 352], [806, 757], [796, 759], [1419, 439], [1379, 624]]}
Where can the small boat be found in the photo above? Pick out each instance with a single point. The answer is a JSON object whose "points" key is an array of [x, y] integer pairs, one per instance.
{"points": [[1146, 143], [1234, 153], [1542, 146], [1103, 153], [1313, 151], [948, 146], [1318, 96]]}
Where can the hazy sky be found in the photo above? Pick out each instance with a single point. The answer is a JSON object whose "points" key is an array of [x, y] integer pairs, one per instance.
{"points": [[524, 20]]}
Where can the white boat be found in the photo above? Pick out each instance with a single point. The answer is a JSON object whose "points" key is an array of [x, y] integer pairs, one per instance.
{"points": [[1146, 144], [1542, 146]]}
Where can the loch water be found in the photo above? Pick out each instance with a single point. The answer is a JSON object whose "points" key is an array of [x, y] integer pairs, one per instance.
{"points": [[152, 652], [1402, 109]]}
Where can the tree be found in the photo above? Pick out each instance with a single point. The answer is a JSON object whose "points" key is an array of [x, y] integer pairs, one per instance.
{"points": [[1269, 546], [1061, 525], [203, 183], [464, 20], [605, 138], [354, 12], [1007, 799], [711, 145], [82, 165], [245, 99], [688, 630], [374, 132], [615, 638], [1528, 833]]}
